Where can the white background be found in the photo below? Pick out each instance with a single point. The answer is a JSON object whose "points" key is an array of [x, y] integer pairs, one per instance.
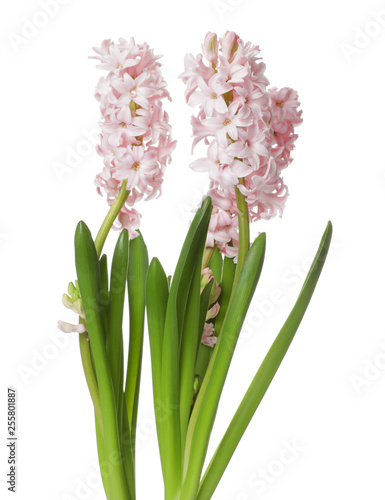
{"points": [[324, 397]]}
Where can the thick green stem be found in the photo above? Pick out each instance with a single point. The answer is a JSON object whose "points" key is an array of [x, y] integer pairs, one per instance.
{"points": [[110, 217]]}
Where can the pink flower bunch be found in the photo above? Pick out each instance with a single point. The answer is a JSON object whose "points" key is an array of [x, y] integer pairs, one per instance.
{"points": [[135, 140], [248, 128]]}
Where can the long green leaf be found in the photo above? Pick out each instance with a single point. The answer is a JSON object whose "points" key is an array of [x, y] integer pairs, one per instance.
{"points": [[189, 346], [264, 375], [127, 442], [104, 291], [88, 271], [157, 297], [203, 358], [216, 264], [246, 285], [136, 284], [179, 290], [228, 274], [196, 237], [114, 341]]}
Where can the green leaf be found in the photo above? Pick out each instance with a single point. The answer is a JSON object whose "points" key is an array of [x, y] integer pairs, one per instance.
{"points": [[114, 341], [196, 237], [179, 290], [216, 264], [198, 442], [189, 345], [226, 288], [203, 358], [228, 274], [157, 297], [128, 446], [104, 293], [207, 359], [264, 375], [88, 271], [136, 284]]}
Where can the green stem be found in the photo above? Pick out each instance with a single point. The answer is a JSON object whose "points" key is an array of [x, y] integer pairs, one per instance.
{"points": [[244, 231], [110, 217], [102, 459], [89, 373]]}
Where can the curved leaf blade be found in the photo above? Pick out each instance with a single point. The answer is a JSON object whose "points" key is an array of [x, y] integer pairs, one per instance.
{"points": [[179, 290], [200, 433], [88, 271], [264, 375], [157, 297]]}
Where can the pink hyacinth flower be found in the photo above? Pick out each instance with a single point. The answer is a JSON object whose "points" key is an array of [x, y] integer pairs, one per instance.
{"points": [[249, 141], [135, 139]]}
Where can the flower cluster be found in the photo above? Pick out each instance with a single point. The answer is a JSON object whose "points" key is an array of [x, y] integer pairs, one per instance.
{"points": [[249, 130], [135, 140]]}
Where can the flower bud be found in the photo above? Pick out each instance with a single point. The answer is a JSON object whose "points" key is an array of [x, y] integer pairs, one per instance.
{"points": [[208, 338], [229, 44], [67, 301], [213, 311], [196, 385], [71, 288], [215, 293], [77, 306], [206, 276], [69, 327], [210, 47]]}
